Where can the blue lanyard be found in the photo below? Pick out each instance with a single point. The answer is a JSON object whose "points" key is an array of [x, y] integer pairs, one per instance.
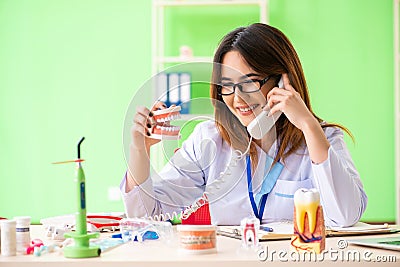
{"points": [[267, 185]]}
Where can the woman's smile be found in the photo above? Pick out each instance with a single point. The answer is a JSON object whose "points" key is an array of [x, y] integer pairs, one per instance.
{"points": [[246, 110]]}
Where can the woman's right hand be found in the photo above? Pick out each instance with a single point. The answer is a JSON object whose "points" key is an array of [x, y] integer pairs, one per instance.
{"points": [[139, 149], [142, 123]]}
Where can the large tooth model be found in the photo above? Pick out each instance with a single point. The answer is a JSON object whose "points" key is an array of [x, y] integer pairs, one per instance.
{"points": [[308, 221], [306, 204]]}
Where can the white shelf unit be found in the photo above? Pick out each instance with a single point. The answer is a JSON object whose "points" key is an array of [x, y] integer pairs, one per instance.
{"points": [[158, 9], [396, 27], [183, 59], [159, 59]]}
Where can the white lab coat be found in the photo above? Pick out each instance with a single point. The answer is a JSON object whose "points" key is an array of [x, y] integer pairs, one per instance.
{"points": [[203, 156]]}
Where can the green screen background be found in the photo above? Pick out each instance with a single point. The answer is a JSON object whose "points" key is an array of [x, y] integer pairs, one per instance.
{"points": [[70, 68]]}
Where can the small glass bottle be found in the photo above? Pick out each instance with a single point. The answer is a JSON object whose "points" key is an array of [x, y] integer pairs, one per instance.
{"points": [[23, 224], [8, 238]]}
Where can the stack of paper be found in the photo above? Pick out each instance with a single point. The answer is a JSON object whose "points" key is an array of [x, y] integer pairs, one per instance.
{"points": [[284, 230], [360, 228]]}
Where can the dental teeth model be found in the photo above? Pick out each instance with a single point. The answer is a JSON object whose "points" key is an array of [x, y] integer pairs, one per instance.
{"points": [[161, 127], [308, 221]]}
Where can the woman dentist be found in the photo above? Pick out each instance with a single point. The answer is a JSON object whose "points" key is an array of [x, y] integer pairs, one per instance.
{"points": [[301, 151]]}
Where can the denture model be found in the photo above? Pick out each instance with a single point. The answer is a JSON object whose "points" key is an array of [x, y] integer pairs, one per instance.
{"points": [[308, 221], [161, 127], [197, 239]]}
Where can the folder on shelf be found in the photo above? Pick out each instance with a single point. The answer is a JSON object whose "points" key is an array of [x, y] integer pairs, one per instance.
{"points": [[174, 89], [185, 95], [162, 87]]}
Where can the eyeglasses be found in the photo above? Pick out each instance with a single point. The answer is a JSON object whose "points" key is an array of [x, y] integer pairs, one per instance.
{"points": [[248, 86]]}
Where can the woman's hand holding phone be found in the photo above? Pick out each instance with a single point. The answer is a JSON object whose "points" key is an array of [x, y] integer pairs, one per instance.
{"points": [[289, 101]]}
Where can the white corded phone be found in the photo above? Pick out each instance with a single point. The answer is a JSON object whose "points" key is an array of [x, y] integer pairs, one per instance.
{"points": [[257, 129], [211, 191], [263, 123]]}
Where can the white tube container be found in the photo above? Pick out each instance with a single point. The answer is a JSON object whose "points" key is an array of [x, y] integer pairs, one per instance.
{"points": [[23, 235], [8, 238]]}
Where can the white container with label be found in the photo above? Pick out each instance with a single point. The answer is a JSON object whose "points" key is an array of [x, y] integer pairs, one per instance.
{"points": [[8, 237], [23, 237]]}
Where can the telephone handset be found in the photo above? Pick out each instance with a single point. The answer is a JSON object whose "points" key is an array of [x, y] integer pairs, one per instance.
{"points": [[263, 123]]}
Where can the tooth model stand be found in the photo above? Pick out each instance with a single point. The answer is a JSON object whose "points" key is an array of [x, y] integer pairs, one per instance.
{"points": [[308, 221]]}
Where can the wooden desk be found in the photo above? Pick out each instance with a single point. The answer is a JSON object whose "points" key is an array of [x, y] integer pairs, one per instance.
{"points": [[156, 253]]}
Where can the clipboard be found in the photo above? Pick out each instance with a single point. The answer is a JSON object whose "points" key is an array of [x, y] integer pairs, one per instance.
{"points": [[362, 228], [262, 235], [284, 231], [281, 231]]}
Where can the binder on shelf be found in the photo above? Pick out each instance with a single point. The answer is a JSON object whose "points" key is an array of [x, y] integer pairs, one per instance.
{"points": [[185, 92], [162, 87], [174, 88]]}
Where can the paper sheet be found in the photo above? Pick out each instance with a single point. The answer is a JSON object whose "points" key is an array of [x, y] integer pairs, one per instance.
{"points": [[359, 227], [284, 230]]}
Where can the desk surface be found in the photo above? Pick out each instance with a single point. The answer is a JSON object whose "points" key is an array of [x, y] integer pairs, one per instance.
{"points": [[157, 253]]}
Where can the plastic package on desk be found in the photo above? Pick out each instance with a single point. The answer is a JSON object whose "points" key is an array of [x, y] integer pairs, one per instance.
{"points": [[137, 229]]}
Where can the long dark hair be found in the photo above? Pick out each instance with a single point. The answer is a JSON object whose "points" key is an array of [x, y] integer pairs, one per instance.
{"points": [[269, 52]]}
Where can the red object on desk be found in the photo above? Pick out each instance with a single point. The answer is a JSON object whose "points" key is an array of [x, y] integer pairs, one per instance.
{"points": [[103, 221], [34, 243], [200, 217]]}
